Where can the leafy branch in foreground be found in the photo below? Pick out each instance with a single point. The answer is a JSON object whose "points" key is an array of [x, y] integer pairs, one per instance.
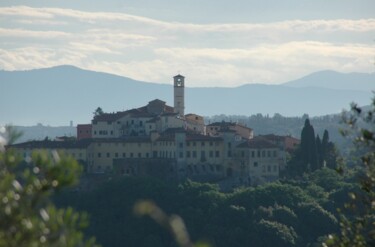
{"points": [[173, 223], [358, 228], [27, 215]]}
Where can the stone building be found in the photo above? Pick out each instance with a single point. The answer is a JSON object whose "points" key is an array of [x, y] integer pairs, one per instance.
{"points": [[160, 140]]}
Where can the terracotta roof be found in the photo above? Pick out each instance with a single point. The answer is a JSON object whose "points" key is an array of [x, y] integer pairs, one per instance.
{"points": [[199, 137], [256, 144], [47, 144], [156, 100], [222, 124], [105, 117], [135, 112], [153, 120], [273, 137], [227, 124], [124, 139]]}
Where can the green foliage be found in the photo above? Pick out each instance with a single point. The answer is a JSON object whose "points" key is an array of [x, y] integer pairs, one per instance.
{"points": [[358, 228], [275, 233], [98, 112], [246, 217], [309, 154], [312, 154], [27, 216], [327, 178]]}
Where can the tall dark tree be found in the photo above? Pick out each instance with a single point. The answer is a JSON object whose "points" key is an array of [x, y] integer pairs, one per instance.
{"points": [[319, 148], [309, 157], [328, 152]]}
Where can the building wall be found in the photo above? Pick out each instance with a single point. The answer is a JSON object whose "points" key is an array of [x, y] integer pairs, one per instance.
{"points": [[84, 131], [195, 123], [103, 129], [243, 131], [102, 154], [263, 164]]}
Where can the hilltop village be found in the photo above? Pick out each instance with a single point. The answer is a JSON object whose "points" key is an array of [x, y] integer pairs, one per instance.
{"points": [[162, 141]]}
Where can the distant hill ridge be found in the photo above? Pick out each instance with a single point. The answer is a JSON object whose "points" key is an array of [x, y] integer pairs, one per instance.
{"points": [[57, 95], [336, 80]]}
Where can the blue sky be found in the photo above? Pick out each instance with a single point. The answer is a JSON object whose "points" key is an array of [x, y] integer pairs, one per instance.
{"points": [[213, 43]]}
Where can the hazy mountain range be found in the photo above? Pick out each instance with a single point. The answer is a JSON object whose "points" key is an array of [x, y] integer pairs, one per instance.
{"points": [[60, 94]]}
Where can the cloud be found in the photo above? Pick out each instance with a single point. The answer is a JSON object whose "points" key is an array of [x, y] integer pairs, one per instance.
{"points": [[361, 25], [21, 33], [221, 54]]}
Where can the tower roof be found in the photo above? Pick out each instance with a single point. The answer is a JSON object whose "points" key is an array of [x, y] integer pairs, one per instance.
{"points": [[179, 75]]}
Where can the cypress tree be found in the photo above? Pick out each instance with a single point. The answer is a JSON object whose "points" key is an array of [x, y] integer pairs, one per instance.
{"points": [[308, 147], [319, 149]]}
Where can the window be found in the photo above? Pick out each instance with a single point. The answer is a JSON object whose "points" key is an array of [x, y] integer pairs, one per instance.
{"points": [[268, 153], [229, 144], [99, 155], [196, 169], [252, 154], [123, 155], [268, 168], [203, 168], [211, 154], [202, 144], [188, 144], [258, 154], [139, 155], [275, 168], [194, 154], [274, 153], [194, 144], [140, 123], [116, 155], [181, 145], [108, 155], [187, 154], [131, 155], [147, 155], [242, 153], [203, 154], [263, 153], [111, 132], [217, 154], [229, 153], [211, 144], [255, 164], [181, 154]]}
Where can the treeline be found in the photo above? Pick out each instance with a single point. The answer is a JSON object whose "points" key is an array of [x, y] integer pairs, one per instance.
{"points": [[312, 154], [285, 213], [280, 125]]}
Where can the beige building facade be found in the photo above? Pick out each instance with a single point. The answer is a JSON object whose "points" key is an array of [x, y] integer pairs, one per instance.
{"points": [[159, 140]]}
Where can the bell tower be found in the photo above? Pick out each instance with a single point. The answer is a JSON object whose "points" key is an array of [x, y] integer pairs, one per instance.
{"points": [[179, 94]]}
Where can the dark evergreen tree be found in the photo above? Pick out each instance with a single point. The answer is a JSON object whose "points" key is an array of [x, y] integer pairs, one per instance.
{"points": [[328, 151], [319, 149], [325, 142], [308, 147]]}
